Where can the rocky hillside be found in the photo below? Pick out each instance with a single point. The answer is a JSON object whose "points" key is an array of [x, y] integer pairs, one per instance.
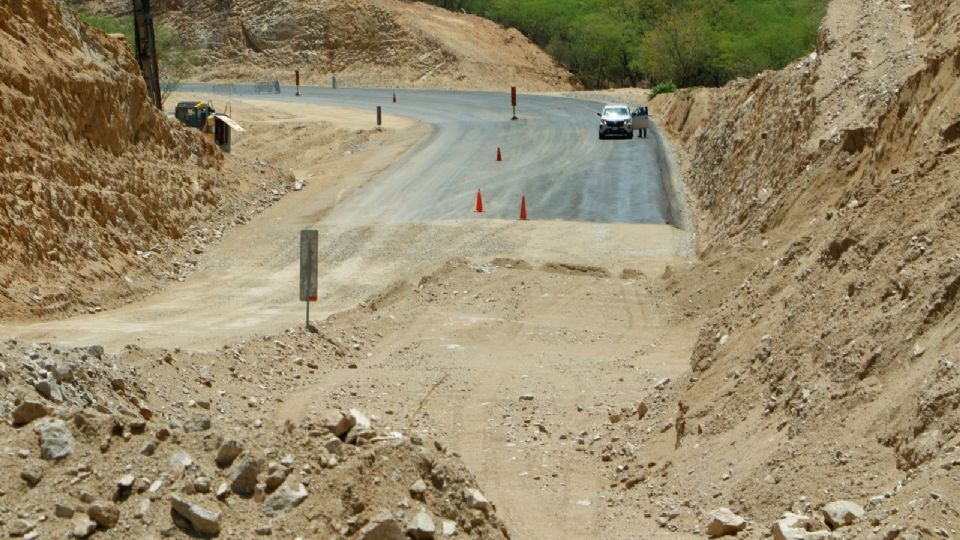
{"points": [[830, 371], [93, 179], [384, 43]]}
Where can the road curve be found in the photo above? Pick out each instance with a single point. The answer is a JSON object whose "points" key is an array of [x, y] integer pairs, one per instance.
{"points": [[407, 207], [551, 155]]}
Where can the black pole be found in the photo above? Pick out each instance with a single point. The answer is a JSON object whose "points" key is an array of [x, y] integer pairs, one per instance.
{"points": [[146, 49]]}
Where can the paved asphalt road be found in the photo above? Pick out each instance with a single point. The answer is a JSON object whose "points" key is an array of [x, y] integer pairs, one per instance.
{"points": [[551, 155]]}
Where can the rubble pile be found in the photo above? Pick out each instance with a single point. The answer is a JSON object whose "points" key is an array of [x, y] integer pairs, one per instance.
{"points": [[99, 442]]}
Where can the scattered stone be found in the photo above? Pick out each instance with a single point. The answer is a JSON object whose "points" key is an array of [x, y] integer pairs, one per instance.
{"points": [[56, 441], [243, 476], [148, 448], [475, 499], [105, 514], [95, 351], [334, 445], [143, 510], [336, 422], [28, 411], [32, 473], [229, 451], [181, 460], [724, 522], [661, 384], [418, 489], [20, 527], [202, 484], [276, 476], [83, 526], [64, 373], [49, 388], [284, 499], [526, 397], [421, 527], [362, 427], [449, 528], [797, 527], [842, 513], [198, 423], [63, 511], [124, 488], [382, 527], [202, 521], [642, 410]]}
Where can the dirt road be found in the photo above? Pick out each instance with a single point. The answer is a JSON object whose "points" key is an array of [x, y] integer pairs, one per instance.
{"points": [[559, 311], [377, 229]]}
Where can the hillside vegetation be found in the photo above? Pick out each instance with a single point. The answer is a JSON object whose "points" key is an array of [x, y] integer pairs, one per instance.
{"points": [[688, 42]]}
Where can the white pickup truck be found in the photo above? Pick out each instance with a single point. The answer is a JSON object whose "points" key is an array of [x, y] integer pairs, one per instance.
{"points": [[617, 119]]}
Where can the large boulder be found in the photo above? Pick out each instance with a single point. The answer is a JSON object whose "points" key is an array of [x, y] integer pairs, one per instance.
{"points": [[243, 476], [842, 513], [723, 522], [797, 527]]}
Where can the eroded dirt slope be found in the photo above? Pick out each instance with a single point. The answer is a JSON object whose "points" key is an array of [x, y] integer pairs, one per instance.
{"points": [[94, 179], [380, 43], [830, 371]]}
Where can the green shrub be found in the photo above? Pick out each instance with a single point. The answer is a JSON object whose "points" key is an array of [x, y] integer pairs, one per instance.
{"points": [[175, 58], [663, 88], [690, 42]]}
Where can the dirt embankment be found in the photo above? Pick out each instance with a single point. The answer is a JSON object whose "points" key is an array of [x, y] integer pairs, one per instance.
{"points": [[378, 43], [830, 371], [94, 180]]}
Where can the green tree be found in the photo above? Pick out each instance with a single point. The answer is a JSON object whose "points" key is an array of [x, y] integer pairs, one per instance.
{"points": [[175, 58]]}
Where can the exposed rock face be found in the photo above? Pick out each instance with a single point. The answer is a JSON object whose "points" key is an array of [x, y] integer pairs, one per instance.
{"points": [[106, 185], [362, 42]]}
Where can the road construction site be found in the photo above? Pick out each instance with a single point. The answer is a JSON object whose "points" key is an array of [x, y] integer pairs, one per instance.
{"points": [[741, 326]]}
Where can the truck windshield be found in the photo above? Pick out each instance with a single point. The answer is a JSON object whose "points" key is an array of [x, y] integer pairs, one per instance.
{"points": [[617, 110]]}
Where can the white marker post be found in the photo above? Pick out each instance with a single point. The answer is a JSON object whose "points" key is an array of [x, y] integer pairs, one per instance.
{"points": [[309, 249]]}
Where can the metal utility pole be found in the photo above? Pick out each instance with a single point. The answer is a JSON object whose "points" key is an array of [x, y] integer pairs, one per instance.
{"points": [[146, 48]]}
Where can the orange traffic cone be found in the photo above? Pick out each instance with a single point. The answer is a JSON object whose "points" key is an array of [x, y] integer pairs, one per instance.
{"points": [[479, 203], [523, 209], [394, 98], [499, 155]]}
